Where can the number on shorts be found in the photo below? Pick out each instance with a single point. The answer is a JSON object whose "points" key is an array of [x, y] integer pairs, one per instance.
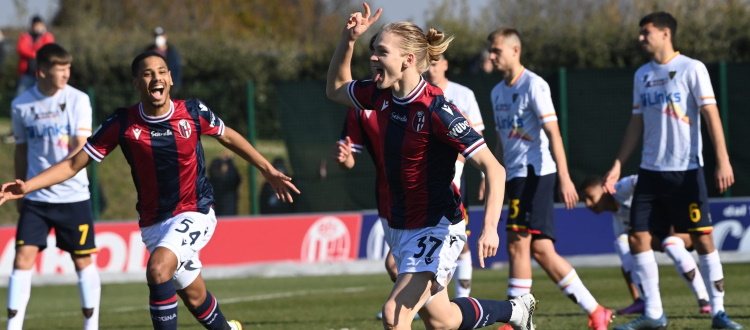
{"points": [[84, 229], [514, 209], [185, 222], [695, 212], [436, 243], [194, 236]]}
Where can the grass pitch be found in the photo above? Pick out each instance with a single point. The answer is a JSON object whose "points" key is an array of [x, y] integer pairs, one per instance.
{"points": [[351, 302]]}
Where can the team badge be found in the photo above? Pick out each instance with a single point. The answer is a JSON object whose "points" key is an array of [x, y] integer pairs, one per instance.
{"points": [[515, 97], [62, 107], [418, 122], [184, 128], [671, 74]]}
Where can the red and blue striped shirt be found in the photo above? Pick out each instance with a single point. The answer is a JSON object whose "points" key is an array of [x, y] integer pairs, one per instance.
{"points": [[414, 142], [165, 156]]}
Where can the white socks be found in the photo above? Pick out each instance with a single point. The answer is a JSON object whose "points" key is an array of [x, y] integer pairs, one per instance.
{"points": [[714, 279], [463, 272], [518, 286], [648, 272], [90, 289], [572, 286], [19, 292], [685, 265]]}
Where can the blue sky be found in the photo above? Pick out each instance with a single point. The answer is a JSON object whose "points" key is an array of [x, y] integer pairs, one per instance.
{"points": [[412, 10]]}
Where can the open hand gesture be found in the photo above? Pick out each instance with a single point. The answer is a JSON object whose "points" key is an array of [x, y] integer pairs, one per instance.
{"points": [[282, 185], [12, 190]]}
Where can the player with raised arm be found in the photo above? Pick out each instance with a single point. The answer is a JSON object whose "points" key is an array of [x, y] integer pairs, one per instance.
{"points": [[669, 95], [530, 145], [675, 246], [160, 138], [416, 136], [51, 122]]}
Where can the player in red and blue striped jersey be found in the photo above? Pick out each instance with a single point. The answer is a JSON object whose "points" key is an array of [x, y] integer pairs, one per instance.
{"points": [[159, 137], [415, 138]]}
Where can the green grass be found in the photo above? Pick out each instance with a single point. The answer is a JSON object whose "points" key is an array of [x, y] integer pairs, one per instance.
{"points": [[351, 302], [117, 184]]}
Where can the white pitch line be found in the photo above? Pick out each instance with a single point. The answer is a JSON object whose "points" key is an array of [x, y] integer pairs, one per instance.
{"points": [[224, 301]]}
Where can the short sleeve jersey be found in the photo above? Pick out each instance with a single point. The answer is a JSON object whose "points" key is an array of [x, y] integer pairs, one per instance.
{"points": [[520, 109], [165, 156], [669, 97], [46, 124], [464, 99], [414, 142], [624, 189]]}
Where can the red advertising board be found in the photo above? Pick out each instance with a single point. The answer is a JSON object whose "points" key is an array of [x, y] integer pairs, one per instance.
{"points": [[236, 241]]}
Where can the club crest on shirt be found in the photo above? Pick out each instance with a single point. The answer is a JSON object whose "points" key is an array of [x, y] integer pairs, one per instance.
{"points": [[515, 97], [184, 128], [62, 107], [671, 74], [418, 121]]}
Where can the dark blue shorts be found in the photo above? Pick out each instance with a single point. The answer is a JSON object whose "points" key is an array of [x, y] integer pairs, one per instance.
{"points": [[531, 204], [665, 199], [73, 224]]}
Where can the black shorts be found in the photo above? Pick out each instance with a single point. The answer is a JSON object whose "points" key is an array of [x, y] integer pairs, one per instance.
{"points": [[73, 224], [665, 199], [531, 204]]}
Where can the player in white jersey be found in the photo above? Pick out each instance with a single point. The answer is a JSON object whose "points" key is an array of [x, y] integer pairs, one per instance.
{"points": [[676, 245], [668, 94], [51, 122], [531, 148]]}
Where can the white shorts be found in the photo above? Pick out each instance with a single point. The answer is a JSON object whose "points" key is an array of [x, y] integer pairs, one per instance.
{"points": [[431, 249], [184, 234]]}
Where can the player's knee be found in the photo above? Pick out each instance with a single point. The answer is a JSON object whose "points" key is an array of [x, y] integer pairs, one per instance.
{"points": [[159, 271], [25, 257], [395, 315]]}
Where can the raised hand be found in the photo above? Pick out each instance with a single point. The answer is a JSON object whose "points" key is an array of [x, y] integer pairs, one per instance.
{"points": [[358, 22], [342, 150]]}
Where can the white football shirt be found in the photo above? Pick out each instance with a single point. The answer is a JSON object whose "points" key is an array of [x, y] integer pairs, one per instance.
{"points": [[463, 98], [669, 97], [624, 196], [46, 124], [520, 109]]}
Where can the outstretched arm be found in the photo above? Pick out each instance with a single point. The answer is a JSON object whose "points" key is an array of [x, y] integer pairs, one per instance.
{"points": [[724, 173], [55, 174], [632, 136], [339, 70], [282, 185], [489, 240]]}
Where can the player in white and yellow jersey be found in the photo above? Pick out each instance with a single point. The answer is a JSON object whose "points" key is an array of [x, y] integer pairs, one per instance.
{"points": [[668, 94], [51, 122], [531, 148], [676, 245]]}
